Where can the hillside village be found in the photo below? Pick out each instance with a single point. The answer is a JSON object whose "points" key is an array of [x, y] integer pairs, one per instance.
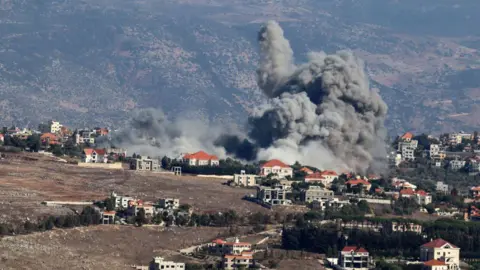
{"points": [[380, 208]]}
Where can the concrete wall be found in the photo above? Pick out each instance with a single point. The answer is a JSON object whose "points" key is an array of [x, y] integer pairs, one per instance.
{"points": [[229, 177], [116, 166], [376, 201], [52, 203]]}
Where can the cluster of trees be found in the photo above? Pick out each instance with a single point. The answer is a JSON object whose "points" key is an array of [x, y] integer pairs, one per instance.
{"points": [[227, 166], [384, 243], [88, 217]]}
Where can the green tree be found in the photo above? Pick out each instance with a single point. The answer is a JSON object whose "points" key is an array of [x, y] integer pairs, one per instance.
{"points": [[109, 204], [33, 142], [141, 217], [57, 150]]}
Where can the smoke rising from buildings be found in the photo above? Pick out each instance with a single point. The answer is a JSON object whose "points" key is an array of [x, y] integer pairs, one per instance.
{"points": [[150, 132], [322, 113]]}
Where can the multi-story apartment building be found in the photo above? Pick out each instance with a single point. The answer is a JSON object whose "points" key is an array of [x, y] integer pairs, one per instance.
{"points": [[441, 251], [169, 203], [276, 195], [442, 187], [354, 258], [245, 180], [121, 201], [407, 149], [54, 126], [145, 164], [242, 261], [316, 193]]}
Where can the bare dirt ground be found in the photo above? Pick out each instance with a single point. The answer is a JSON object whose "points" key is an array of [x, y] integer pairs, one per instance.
{"points": [[100, 247], [28, 179]]}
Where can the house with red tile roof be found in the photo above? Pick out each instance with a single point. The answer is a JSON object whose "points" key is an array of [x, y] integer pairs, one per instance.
{"points": [[407, 137], [222, 247], [420, 196], [316, 177], [307, 170], [329, 175], [239, 261], [435, 265], [359, 181], [201, 158], [49, 139], [94, 155], [353, 257], [437, 251], [276, 167]]}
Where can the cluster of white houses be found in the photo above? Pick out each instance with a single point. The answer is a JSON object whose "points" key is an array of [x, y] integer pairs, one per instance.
{"points": [[133, 206], [434, 255]]}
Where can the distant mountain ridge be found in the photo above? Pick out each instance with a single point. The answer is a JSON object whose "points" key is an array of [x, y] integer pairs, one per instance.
{"points": [[89, 63]]}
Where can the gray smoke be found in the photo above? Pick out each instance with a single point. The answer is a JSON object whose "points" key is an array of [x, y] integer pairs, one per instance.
{"points": [[322, 113], [150, 132]]}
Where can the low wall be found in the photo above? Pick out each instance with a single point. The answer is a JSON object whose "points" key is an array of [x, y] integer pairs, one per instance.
{"points": [[116, 166], [376, 201], [53, 203], [215, 176]]}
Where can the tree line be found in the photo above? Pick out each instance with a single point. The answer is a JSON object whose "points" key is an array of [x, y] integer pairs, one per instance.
{"points": [[465, 235]]}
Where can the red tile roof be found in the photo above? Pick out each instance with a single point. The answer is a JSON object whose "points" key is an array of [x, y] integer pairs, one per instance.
{"points": [[307, 170], [422, 192], [434, 263], [438, 243], [200, 155], [407, 191], [329, 173], [354, 249], [407, 135], [316, 175], [355, 182], [99, 151], [274, 163]]}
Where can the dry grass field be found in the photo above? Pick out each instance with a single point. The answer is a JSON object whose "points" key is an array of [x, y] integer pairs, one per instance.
{"points": [[99, 247], [28, 179]]}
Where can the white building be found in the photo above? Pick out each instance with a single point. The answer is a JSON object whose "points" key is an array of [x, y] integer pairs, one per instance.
{"points": [[159, 263], [354, 258], [243, 261], [245, 180], [457, 164], [94, 155], [201, 158], [221, 247], [55, 127], [440, 251], [407, 149], [434, 150], [276, 167], [442, 187], [121, 201], [169, 203]]}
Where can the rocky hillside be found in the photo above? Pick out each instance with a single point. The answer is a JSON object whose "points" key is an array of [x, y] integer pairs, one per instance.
{"points": [[91, 62]]}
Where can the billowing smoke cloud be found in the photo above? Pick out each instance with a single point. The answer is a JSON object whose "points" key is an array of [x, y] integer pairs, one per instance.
{"points": [[150, 132], [322, 113]]}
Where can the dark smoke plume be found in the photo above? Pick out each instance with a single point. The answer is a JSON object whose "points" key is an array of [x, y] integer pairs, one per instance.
{"points": [[322, 113]]}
